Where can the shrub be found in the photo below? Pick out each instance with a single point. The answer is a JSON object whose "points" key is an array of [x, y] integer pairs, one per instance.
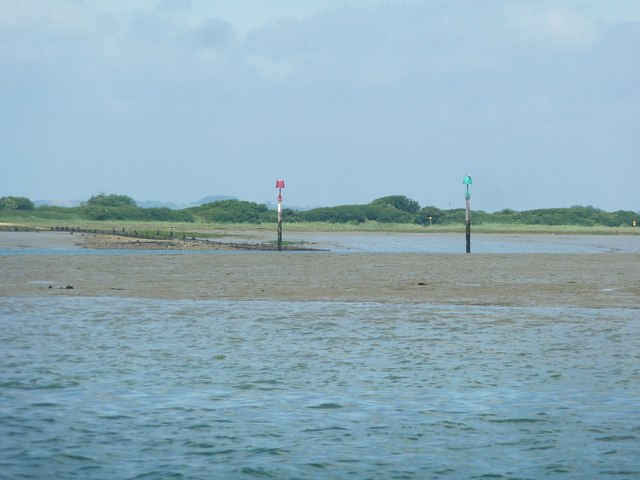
{"points": [[339, 214], [398, 201], [16, 203], [430, 212], [232, 211], [111, 200], [385, 213]]}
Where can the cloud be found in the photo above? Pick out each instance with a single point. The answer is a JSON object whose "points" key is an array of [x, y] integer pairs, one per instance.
{"points": [[389, 44], [175, 5], [52, 19], [554, 27], [214, 34], [33, 31], [352, 103]]}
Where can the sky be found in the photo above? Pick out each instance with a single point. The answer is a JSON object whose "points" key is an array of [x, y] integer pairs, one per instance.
{"points": [[346, 100]]}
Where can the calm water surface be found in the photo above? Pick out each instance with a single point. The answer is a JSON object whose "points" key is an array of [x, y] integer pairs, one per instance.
{"points": [[48, 243], [107, 388]]}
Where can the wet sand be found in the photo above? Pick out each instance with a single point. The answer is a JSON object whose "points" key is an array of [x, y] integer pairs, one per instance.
{"points": [[602, 280]]}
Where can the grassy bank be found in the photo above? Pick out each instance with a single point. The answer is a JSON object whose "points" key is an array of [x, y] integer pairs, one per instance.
{"points": [[216, 230]]}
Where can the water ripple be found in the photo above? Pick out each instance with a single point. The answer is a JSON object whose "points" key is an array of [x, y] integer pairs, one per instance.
{"points": [[122, 389]]}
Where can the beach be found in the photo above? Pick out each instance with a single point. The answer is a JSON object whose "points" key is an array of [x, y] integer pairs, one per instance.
{"points": [[600, 280]]}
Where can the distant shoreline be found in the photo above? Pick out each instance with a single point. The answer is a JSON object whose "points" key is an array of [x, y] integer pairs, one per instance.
{"points": [[267, 230], [100, 240], [115, 242], [51, 241], [261, 237]]}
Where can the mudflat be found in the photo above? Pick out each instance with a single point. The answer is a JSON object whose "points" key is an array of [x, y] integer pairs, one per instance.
{"points": [[599, 280]]}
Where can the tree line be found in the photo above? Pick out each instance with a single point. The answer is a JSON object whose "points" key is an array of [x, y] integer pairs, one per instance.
{"points": [[397, 209]]}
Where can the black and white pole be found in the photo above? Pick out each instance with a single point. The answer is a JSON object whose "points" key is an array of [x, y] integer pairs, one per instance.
{"points": [[279, 186], [467, 196]]}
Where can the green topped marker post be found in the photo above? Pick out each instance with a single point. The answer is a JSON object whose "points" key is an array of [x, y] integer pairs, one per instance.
{"points": [[467, 196]]}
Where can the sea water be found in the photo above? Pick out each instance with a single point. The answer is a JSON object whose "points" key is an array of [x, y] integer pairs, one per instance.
{"points": [[108, 388]]}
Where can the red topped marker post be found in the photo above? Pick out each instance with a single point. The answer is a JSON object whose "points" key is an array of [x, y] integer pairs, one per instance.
{"points": [[279, 186]]}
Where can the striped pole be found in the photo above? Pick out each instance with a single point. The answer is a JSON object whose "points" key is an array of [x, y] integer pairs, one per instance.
{"points": [[279, 186], [467, 196]]}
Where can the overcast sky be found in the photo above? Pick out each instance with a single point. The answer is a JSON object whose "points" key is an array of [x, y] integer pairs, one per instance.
{"points": [[347, 100]]}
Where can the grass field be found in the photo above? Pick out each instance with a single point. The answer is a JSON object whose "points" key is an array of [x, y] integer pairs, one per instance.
{"points": [[214, 230]]}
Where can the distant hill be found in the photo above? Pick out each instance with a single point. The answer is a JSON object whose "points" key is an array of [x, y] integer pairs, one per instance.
{"points": [[214, 198], [273, 206], [159, 204], [58, 203], [140, 203], [180, 206]]}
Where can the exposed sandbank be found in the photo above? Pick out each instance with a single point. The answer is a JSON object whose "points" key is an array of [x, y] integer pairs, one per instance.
{"points": [[603, 280]]}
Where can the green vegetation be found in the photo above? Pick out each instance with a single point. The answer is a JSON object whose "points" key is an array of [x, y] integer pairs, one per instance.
{"points": [[392, 209], [232, 211], [16, 203], [122, 207], [388, 213], [399, 202], [133, 213], [398, 209], [111, 200]]}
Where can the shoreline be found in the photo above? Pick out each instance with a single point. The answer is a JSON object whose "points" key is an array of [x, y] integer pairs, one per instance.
{"points": [[588, 280], [88, 239], [116, 242], [269, 230], [312, 241]]}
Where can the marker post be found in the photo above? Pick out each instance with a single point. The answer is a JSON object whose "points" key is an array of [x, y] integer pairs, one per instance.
{"points": [[467, 196], [279, 186]]}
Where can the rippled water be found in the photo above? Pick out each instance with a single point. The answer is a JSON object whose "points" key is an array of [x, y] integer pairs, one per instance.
{"points": [[108, 388]]}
